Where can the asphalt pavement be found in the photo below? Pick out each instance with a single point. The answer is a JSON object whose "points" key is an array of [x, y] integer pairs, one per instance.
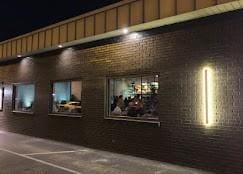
{"points": [[20, 154]]}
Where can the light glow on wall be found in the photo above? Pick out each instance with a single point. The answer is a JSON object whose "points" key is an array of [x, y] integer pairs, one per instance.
{"points": [[208, 95], [134, 36]]}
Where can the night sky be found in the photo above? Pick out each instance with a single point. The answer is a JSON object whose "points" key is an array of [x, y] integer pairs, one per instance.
{"points": [[19, 17]]}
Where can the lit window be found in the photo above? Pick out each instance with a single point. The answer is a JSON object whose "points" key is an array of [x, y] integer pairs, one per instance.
{"points": [[135, 97], [24, 95], [1, 97], [66, 97]]}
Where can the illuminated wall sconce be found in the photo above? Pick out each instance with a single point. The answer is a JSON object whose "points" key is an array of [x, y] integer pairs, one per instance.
{"points": [[207, 95], [125, 31]]}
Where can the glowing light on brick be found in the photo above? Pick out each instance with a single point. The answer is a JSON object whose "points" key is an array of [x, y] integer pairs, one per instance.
{"points": [[207, 95], [134, 36]]}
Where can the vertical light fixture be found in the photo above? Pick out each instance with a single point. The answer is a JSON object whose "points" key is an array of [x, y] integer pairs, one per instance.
{"points": [[207, 95]]}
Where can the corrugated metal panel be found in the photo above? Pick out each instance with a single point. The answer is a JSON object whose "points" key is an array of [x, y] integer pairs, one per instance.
{"points": [[136, 13], [63, 34], [9, 49], [14, 47], [123, 16], [41, 43], [35, 41], [111, 20], [151, 10], [205, 3], [167, 8], [24, 45], [55, 36], [1, 51], [224, 1], [80, 29], [184, 6], [5, 50], [19, 44], [48, 38], [71, 31], [100, 23], [29, 43], [126, 13], [89, 26]]}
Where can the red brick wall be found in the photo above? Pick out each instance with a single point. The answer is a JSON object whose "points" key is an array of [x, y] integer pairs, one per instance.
{"points": [[178, 53]]}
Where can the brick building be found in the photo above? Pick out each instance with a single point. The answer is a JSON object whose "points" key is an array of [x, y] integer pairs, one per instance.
{"points": [[164, 84]]}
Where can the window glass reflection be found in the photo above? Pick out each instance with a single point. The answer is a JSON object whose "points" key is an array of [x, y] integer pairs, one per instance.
{"points": [[1, 98], [24, 97]]}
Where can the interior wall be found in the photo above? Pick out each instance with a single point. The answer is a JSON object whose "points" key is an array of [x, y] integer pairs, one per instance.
{"points": [[76, 89]]}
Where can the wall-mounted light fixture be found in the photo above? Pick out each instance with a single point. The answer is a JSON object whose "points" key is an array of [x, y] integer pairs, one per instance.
{"points": [[125, 30], [207, 95]]}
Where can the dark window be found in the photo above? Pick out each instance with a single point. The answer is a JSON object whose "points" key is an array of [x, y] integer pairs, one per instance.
{"points": [[66, 97], [24, 95], [134, 97]]}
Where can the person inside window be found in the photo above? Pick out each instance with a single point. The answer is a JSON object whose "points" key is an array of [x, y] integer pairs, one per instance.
{"points": [[135, 107], [120, 103], [136, 97]]}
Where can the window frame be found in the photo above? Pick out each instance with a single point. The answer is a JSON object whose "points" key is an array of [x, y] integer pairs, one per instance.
{"points": [[107, 115], [14, 85], [2, 87], [50, 110]]}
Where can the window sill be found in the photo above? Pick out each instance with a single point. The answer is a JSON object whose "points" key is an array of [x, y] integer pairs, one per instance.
{"points": [[23, 112], [65, 115], [125, 118]]}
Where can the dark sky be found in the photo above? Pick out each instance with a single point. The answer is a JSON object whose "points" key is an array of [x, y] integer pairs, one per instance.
{"points": [[21, 16]]}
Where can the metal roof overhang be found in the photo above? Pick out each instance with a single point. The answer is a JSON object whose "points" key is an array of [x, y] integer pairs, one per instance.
{"points": [[217, 9]]}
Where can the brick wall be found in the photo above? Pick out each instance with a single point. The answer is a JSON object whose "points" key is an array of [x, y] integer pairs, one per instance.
{"points": [[178, 53]]}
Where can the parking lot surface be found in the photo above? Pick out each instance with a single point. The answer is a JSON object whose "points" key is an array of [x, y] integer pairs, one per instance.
{"points": [[28, 155]]}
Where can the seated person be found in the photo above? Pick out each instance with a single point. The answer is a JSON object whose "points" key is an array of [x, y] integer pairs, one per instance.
{"points": [[120, 102], [135, 107], [117, 111]]}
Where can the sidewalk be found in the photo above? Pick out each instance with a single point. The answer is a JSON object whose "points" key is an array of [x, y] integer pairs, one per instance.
{"points": [[28, 155]]}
